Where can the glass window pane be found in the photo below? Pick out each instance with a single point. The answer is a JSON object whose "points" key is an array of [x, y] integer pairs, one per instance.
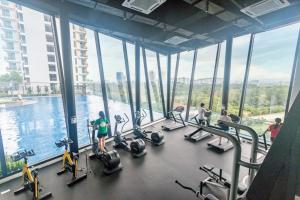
{"points": [[131, 62], [173, 69], [203, 78], [240, 48], [270, 71], [115, 78], [217, 99], [144, 96], [183, 79], [31, 108], [88, 94], [164, 72], [154, 85]]}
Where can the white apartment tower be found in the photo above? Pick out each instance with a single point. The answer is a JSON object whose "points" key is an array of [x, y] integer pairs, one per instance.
{"points": [[13, 48], [27, 46], [51, 56], [80, 54]]}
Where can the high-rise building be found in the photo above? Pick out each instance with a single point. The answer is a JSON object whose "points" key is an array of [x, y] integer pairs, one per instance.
{"points": [[36, 61], [13, 47], [50, 46], [80, 54]]}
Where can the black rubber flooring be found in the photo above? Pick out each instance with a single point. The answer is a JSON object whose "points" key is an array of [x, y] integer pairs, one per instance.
{"points": [[149, 177]]}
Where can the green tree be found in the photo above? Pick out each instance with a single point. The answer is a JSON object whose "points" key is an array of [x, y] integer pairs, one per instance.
{"points": [[13, 78]]}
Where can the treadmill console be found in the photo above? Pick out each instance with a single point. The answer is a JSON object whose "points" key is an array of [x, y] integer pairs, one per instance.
{"points": [[179, 109]]}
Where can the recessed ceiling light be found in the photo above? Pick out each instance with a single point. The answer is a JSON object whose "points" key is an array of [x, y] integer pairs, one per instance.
{"points": [[176, 40], [144, 6]]}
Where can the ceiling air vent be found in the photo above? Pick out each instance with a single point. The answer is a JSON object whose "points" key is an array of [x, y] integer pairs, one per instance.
{"points": [[175, 40], [264, 7], [144, 6]]}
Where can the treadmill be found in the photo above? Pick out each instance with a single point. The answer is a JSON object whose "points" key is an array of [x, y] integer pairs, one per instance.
{"points": [[218, 144], [221, 146], [198, 134], [178, 123]]}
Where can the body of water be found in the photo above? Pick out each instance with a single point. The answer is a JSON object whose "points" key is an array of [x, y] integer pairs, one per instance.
{"points": [[38, 126]]}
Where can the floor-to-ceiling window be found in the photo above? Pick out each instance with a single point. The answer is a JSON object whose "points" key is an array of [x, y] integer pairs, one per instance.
{"points": [[183, 79], [164, 71], [87, 85], [217, 98], [203, 78], [154, 85], [240, 47], [270, 72], [31, 108], [173, 71], [143, 91], [131, 62], [115, 79]]}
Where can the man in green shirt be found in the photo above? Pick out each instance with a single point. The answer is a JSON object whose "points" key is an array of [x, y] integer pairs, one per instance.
{"points": [[102, 125]]}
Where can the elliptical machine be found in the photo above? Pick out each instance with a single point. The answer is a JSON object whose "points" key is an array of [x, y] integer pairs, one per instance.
{"points": [[110, 159], [156, 138], [136, 146]]}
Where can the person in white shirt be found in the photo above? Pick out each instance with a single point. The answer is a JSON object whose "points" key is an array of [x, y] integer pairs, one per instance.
{"points": [[201, 113], [225, 118]]}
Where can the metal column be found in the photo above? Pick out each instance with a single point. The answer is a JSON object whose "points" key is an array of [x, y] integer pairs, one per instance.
{"points": [[137, 80], [2, 157], [175, 81], [295, 64], [102, 78], [227, 69], [213, 85], [244, 89], [130, 98], [161, 84], [168, 85], [147, 84], [69, 82], [191, 86], [59, 67]]}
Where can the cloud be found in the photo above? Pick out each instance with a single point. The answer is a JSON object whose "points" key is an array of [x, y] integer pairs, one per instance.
{"points": [[258, 72]]}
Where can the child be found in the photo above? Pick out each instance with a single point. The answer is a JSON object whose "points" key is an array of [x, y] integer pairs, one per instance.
{"points": [[275, 129], [102, 124]]}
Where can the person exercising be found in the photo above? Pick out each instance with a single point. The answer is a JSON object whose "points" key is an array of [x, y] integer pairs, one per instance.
{"points": [[102, 125], [225, 118], [275, 129], [201, 113]]}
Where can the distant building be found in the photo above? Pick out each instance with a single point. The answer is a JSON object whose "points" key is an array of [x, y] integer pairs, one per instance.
{"points": [[80, 54], [32, 54], [13, 56], [121, 81]]}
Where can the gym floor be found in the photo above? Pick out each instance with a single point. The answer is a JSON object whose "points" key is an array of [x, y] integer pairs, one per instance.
{"points": [[149, 177]]}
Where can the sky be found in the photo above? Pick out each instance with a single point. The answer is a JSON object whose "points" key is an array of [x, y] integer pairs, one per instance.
{"points": [[272, 58]]}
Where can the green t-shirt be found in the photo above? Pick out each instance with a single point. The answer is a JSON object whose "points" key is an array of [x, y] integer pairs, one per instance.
{"points": [[102, 126]]}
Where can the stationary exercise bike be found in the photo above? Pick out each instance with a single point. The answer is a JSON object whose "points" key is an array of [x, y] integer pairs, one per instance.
{"points": [[135, 146], [156, 138], [30, 177], [110, 159], [70, 162]]}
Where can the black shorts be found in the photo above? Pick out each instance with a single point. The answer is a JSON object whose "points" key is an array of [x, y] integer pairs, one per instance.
{"points": [[101, 136]]}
